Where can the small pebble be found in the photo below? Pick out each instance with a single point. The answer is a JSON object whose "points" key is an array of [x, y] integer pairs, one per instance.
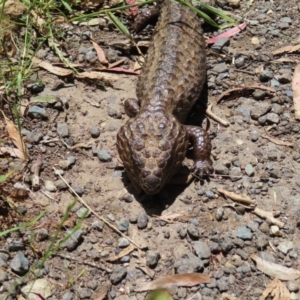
{"points": [[118, 274], [19, 263], [95, 132], [266, 75], [244, 233], [285, 246], [37, 112], [62, 130], [123, 224], [123, 242], [152, 258], [142, 220], [104, 155], [50, 186]]}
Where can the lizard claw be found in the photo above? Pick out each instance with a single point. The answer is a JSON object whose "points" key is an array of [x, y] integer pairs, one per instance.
{"points": [[203, 168]]}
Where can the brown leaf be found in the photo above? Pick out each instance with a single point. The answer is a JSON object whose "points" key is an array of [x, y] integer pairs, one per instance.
{"points": [[102, 76], [52, 69], [170, 217], [287, 49], [277, 290], [101, 296], [238, 91], [296, 91], [100, 53], [275, 270], [285, 60], [190, 279], [124, 252], [13, 152], [278, 142], [16, 138]]}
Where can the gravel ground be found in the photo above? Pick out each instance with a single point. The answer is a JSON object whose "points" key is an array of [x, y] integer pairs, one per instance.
{"points": [[211, 234]]}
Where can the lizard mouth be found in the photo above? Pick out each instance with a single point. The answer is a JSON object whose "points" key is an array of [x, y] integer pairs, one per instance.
{"points": [[151, 184]]}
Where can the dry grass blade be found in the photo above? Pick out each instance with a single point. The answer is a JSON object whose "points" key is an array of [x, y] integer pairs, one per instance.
{"points": [[296, 91], [16, 138], [124, 252], [190, 279], [275, 270], [287, 49], [277, 142]]}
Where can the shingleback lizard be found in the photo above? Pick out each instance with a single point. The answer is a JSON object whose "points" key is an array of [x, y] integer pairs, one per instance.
{"points": [[153, 143]]}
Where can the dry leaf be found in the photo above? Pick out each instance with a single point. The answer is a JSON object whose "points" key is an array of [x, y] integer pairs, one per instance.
{"points": [[147, 271], [259, 69], [101, 296], [107, 77], [16, 138], [122, 70], [277, 290], [52, 69], [287, 49], [238, 91], [189, 279], [229, 33], [285, 60], [100, 53], [275, 270], [296, 91], [124, 252], [13, 152], [277, 142]]}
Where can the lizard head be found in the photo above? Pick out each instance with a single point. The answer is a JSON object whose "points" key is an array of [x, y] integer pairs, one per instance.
{"points": [[152, 147]]}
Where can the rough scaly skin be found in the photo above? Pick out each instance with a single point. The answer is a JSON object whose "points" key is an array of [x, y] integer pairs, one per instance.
{"points": [[153, 144]]}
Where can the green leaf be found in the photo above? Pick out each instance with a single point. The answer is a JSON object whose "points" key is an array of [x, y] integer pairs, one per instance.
{"points": [[67, 6]]}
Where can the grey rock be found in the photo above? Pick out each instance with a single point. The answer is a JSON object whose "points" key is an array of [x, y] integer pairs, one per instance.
{"points": [[41, 234], [111, 217], [34, 137], [104, 155], [188, 263], [123, 242], [254, 135], [253, 226], [142, 220], [83, 212], [152, 258], [235, 174], [264, 227], [219, 213], [210, 195], [86, 35], [193, 231], [125, 259], [79, 190], [220, 169], [202, 250], [15, 245], [239, 62], [42, 53], [214, 247], [244, 111], [266, 75], [68, 296], [90, 56], [242, 254], [275, 84], [260, 110], [286, 20], [50, 186], [118, 274], [285, 78], [231, 280], [259, 94], [112, 294], [220, 43], [273, 118], [82, 50], [277, 109], [123, 224], [84, 293], [244, 233], [74, 239], [220, 68], [226, 245], [267, 256], [112, 112], [283, 25], [262, 120], [20, 263], [285, 246], [37, 112], [61, 185], [128, 198], [249, 170], [293, 286], [3, 263], [62, 130], [238, 242], [3, 275], [222, 285], [95, 132]]}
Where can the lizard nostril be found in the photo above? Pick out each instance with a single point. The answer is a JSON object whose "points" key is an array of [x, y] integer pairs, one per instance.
{"points": [[151, 184]]}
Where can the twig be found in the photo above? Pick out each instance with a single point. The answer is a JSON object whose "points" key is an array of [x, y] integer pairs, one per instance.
{"points": [[97, 266], [238, 198], [244, 71], [98, 216], [269, 215], [35, 169], [215, 117]]}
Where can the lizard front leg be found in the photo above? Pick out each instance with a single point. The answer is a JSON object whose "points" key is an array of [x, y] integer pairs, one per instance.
{"points": [[201, 143]]}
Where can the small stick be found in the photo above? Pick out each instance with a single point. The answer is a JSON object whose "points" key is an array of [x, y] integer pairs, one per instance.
{"points": [[215, 117], [269, 215], [238, 198], [98, 216], [35, 169]]}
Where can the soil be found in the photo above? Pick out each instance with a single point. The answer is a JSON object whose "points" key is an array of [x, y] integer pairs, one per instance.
{"points": [[186, 228]]}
